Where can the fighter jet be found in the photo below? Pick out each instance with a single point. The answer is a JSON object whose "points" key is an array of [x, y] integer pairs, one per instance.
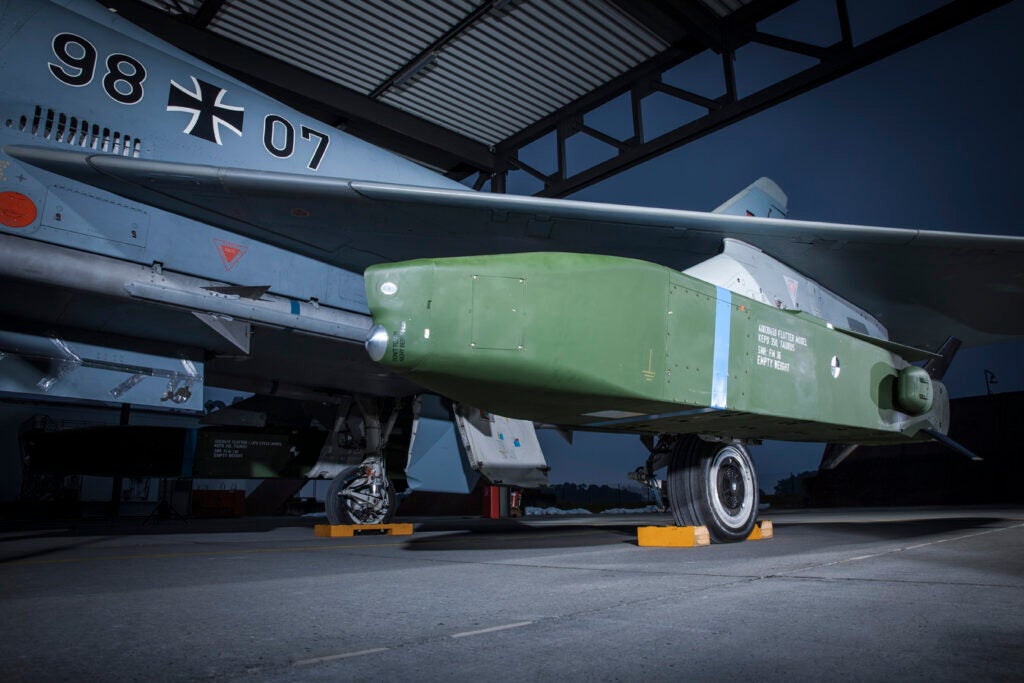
{"points": [[153, 205]]}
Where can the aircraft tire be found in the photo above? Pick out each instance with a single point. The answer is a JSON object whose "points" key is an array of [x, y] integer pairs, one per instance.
{"points": [[680, 495], [713, 485], [343, 510]]}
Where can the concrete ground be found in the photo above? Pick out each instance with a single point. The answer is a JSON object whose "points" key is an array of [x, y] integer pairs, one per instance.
{"points": [[866, 595]]}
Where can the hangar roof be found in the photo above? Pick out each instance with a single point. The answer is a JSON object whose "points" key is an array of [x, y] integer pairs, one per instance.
{"points": [[463, 85], [483, 74]]}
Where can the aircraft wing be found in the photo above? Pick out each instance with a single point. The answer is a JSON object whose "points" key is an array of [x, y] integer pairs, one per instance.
{"points": [[922, 285]]}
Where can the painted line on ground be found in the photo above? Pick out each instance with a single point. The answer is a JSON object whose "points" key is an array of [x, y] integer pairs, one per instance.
{"points": [[343, 655], [492, 629], [375, 650], [960, 538], [901, 549]]}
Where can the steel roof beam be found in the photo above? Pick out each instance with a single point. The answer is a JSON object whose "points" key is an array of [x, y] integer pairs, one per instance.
{"points": [[837, 60], [381, 123], [686, 95], [733, 25], [676, 20], [799, 47], [206, 13], [844, 23], [702, 23], [429, 52]]}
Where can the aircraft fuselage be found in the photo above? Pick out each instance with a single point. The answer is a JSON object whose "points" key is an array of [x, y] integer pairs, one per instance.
{"points": [[80, 77]]}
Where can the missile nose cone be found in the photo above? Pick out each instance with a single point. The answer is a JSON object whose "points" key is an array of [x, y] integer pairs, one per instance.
{"points": [[376, 343]]}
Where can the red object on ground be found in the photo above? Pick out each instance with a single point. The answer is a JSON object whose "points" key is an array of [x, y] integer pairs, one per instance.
{"points": [[492, 502]]}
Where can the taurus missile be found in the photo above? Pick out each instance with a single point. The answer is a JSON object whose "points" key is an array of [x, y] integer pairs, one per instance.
{"points": [[614, 343]]}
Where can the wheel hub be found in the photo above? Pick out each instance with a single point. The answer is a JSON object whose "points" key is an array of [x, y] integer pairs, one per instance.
{"points": [[363, 502], [731, 488]]}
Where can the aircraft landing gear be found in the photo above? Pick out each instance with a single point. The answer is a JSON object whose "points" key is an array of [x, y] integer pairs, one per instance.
{"points": [[358, 494], [713, 485], [362, 494]]}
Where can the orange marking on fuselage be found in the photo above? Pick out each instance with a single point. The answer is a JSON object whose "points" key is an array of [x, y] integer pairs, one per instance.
{"points": [[16, 210]]}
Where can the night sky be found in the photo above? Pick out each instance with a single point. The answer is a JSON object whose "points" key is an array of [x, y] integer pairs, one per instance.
{"points": [[929, 138]]}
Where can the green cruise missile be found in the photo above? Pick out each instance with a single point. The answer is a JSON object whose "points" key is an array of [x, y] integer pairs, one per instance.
{"points": [[611, 343]]}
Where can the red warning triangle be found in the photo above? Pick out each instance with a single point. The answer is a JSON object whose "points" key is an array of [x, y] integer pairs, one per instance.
{"points": [[230, 253]]}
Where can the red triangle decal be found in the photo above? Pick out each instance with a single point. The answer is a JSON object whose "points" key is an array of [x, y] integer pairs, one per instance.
{"points": [[230, 253]]}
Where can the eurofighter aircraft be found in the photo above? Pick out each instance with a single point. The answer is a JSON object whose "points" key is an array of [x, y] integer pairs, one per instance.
{"points": [[161, 221]]}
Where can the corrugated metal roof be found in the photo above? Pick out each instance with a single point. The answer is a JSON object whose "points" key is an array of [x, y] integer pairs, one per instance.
{"points": [[176, 6], [517, 63], [509, 70], [464, 85], [356, 44], [724, 7]]}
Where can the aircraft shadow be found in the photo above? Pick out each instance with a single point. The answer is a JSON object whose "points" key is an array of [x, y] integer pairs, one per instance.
{"points": [[512, 536], [43, 552]]}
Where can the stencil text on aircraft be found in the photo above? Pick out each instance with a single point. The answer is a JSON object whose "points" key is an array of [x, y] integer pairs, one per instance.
{"points": [[776, 346]]}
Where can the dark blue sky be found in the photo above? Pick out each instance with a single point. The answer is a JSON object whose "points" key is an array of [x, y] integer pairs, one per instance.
{"points": [[929, 138]]}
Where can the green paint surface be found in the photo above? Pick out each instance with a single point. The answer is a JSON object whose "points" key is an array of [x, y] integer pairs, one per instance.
{"points": [[619, 344]]}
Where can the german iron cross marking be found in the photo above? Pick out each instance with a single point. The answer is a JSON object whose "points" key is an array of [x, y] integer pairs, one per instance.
{"points": [[208, 111]]}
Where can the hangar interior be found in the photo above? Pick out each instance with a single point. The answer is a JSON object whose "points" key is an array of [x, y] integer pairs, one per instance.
{"points": [[518, 96], [550, 96]]}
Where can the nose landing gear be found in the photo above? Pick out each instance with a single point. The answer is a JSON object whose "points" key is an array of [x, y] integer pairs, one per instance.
{"points": [[361, 495]]}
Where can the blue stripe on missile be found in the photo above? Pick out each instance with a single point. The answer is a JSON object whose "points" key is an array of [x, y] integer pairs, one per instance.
{"points": [[720, 363], [295, 307]]}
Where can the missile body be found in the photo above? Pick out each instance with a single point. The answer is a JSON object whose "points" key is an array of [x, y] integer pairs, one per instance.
{"points": [[610, 343]]}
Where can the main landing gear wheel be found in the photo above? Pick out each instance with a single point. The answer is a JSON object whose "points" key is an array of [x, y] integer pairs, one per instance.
{"points": [[360, 495], [713, 485]]}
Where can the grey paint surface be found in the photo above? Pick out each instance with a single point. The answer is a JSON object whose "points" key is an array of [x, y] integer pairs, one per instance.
{"points": [[866, 595]]}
